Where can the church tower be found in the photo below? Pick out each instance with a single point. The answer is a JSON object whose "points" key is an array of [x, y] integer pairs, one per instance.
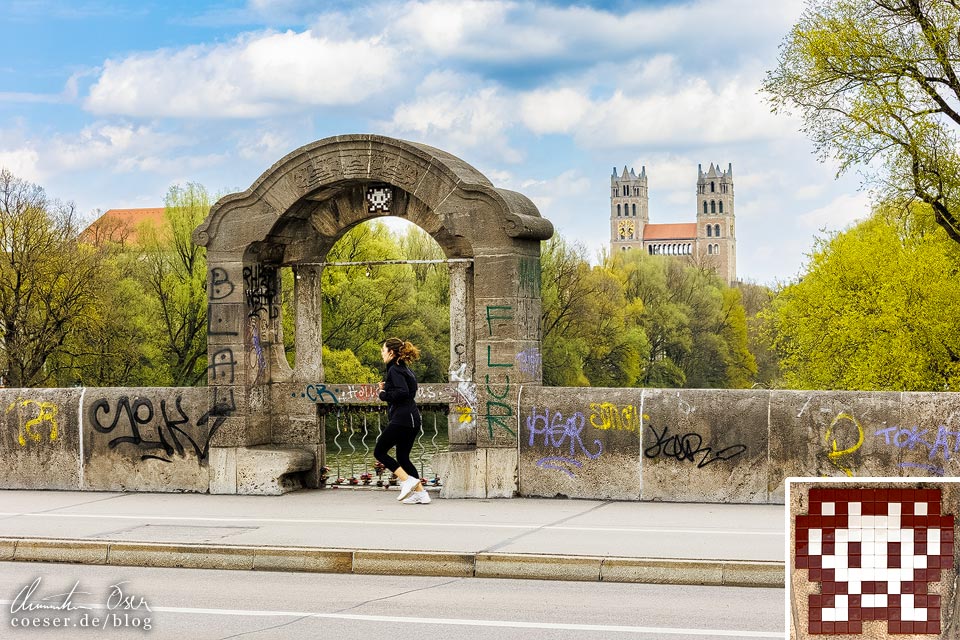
{"points": [[716, 233], [628, 209]]}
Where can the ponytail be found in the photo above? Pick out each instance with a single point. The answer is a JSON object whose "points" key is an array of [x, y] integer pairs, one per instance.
{"points": [[404, 350]]}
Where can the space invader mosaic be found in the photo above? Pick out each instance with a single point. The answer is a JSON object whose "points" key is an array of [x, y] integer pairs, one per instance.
{"points": [[875, 552]]}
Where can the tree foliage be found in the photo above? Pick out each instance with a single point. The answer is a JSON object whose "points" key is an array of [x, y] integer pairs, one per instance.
{"points": [[875, 309], [877, 84], [47, 280]]}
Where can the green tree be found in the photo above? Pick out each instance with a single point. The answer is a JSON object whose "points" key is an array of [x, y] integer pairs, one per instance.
{"points": [[589, 329], [875, 309], [115, 346], [175, 273], [47, 280], [876, 82]]}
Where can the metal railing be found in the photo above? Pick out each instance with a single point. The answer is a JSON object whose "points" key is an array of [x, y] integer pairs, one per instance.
{"points": [[351, 432]]}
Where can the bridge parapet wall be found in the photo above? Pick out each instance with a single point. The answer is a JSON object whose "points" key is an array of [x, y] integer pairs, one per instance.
{"points": [[684, 445], [697, 445]]}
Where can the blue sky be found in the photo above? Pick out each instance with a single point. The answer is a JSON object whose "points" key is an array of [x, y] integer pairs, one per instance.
{"points": [[108, 103]]}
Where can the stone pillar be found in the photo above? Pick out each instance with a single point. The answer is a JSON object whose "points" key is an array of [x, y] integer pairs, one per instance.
{"points": [[462, 421], [309, 308]]}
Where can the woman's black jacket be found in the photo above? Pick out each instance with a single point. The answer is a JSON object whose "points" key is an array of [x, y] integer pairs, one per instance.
{"points": [[399, 391]]}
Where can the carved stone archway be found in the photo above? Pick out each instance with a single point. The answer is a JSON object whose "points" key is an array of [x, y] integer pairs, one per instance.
{"points": [[291, 216]]}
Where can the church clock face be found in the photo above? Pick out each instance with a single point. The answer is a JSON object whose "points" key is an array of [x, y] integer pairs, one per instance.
{"points": [[625, 229]]}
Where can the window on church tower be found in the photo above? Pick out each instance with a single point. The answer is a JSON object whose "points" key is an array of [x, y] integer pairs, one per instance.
{"points": [[710, 249], [716, 230], [709, 231], [634, 210], [618, 211], [712, 187], [704, 206], [713, 206], [721, 206]]}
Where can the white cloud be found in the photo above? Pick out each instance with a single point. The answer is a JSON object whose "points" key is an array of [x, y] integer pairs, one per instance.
{"points": [[553, 110], [252, 76], [838, 213], [475, 121], [544, 193], [121, 146], [22, 162], [694, 114], [268, 145], [517, 33]]}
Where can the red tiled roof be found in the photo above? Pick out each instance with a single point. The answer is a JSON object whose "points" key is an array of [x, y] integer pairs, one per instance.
{"points": [[678, 231], [120, 225]]}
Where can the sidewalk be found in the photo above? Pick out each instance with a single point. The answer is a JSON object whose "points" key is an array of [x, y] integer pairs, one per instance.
{"points": [[368, 531]]}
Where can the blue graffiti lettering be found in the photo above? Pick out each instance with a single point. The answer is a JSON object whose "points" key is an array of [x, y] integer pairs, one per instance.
{"points": [[557, 430]]}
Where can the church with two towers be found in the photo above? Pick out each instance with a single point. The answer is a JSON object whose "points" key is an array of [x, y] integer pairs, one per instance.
{"points": [[710, 241]]}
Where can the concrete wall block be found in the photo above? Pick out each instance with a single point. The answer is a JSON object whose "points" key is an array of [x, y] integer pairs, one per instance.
{"points": [[271, 470], [511, 318], [463, 473], [226, 324], [225, 280], [927, 438], [147, 439], [513, 361], [496, 414], [832, 433], [583, 445], [462, 426], [227, 365], [232, 433], [223, 470], [705, 445], [501, 473], [296, 430], [40, 439], [496, 277]]}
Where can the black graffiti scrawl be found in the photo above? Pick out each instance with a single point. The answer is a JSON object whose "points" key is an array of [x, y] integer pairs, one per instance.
{"points": [[128, 420]]}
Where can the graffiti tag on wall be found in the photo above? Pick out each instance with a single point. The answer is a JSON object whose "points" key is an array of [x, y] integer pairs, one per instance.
{"points": [[175, 432], [46, 413], [562, 434]]}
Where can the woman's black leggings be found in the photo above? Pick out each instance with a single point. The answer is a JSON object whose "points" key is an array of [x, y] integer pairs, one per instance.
{"points": [[402, 437]]}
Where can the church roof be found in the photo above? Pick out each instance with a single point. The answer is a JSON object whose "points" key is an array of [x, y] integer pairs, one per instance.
{"points": [[676, 231], [120, 225]]}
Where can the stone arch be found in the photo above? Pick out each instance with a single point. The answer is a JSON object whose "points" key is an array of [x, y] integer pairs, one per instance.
{"points": [[293, 214]]}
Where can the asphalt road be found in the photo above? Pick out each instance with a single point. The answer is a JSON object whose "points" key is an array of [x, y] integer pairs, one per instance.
{"points": [[201, 604]]}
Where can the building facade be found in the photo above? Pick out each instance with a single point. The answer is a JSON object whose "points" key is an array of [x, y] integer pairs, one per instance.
{"points": [[710, 241]]}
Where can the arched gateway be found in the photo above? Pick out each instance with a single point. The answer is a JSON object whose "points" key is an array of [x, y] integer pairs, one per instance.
{"points": [[291, 216]]}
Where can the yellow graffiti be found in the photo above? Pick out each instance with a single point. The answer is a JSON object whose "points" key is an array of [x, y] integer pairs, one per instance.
{"points": [[47, 412], [835, 454], [607, 415], [466, 414]]}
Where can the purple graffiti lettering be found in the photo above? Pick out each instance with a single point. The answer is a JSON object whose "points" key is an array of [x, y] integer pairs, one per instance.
{"points": [[909, 438], [556, 431], [547, 463], [932, 468]]}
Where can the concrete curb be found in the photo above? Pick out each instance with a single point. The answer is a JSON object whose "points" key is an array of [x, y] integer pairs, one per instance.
{"points": [[408, 563]]}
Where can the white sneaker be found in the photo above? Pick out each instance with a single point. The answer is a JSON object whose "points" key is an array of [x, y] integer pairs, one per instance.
{"points": [[407, 486], [420, 497]]}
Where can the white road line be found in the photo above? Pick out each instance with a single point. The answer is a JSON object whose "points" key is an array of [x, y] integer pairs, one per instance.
{"points": [[395, 523], [463, 622]]}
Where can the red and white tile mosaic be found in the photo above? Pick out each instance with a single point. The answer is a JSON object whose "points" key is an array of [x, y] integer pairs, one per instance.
{"points": [[874, 552]]}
